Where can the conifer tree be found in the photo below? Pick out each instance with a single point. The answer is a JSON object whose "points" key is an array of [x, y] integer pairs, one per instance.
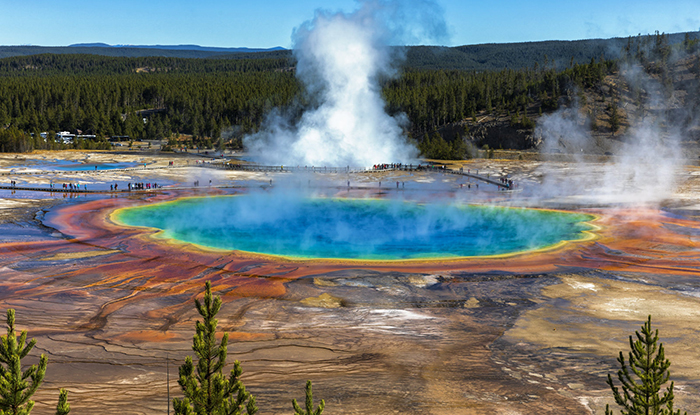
{"points": [[309, 403], [18, 386], [206, 389], [614, 117], [643, 377]]}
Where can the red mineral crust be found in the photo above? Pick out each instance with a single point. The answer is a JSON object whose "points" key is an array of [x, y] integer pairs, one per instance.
{"points": [[627, 240]]}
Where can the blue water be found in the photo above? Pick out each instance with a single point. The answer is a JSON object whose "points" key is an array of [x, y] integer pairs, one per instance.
{"points": [[355, 228], [94, 166], [76, 166]]}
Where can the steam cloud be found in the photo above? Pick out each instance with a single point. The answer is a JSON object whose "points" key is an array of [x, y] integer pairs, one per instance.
{"points": [[340, 61], [645, 158]]}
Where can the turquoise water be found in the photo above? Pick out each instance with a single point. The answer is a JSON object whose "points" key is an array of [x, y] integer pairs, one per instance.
{"points": [[354, 228]]}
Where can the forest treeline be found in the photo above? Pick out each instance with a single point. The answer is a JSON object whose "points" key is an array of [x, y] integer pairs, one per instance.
{"points": [[432, 98], [215, 102], [88, 65], [143, 98], [210, 101]]}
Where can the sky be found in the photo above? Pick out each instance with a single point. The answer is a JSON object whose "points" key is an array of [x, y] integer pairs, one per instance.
{"points": [[270, 23]]}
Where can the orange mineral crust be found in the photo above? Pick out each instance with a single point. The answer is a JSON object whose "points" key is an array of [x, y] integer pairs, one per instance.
{"points": [[626, 239]]}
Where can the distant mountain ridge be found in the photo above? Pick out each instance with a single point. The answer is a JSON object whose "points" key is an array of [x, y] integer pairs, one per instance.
{"points": [[129, 51], [498, 56], [178, 47], [557, 54]]}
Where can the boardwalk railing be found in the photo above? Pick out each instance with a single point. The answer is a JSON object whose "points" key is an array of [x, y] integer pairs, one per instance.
{"points": [[222, 165], [348, 169]]}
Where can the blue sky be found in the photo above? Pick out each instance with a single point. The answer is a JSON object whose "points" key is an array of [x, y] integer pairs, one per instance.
{"points": [[268, 23]]}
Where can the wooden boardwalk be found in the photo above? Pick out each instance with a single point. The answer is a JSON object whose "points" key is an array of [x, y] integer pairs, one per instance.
{"points": [[239, 167], [350, 170]]}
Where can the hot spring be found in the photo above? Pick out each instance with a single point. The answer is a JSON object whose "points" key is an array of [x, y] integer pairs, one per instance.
{"points": [[61, 165], [361, 229]]}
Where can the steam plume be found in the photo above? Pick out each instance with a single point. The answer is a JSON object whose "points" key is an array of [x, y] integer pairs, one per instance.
{"points": [[646, 156], [340, 61]]}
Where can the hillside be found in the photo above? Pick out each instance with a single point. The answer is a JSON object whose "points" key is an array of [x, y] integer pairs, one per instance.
{"points": [[636, 100], [493, 56]]}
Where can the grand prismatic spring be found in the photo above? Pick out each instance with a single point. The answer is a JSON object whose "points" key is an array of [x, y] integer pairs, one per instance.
{"points": [[523, 325], [285, 226]]}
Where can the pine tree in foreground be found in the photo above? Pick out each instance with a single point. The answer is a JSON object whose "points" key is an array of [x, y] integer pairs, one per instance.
{"points": [[18, 386], [206, 389], [309, 403], [643, 377]]}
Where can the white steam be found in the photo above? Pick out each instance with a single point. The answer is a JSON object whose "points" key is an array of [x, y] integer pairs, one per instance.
{"points": [[340, 61], [642, 162]]}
